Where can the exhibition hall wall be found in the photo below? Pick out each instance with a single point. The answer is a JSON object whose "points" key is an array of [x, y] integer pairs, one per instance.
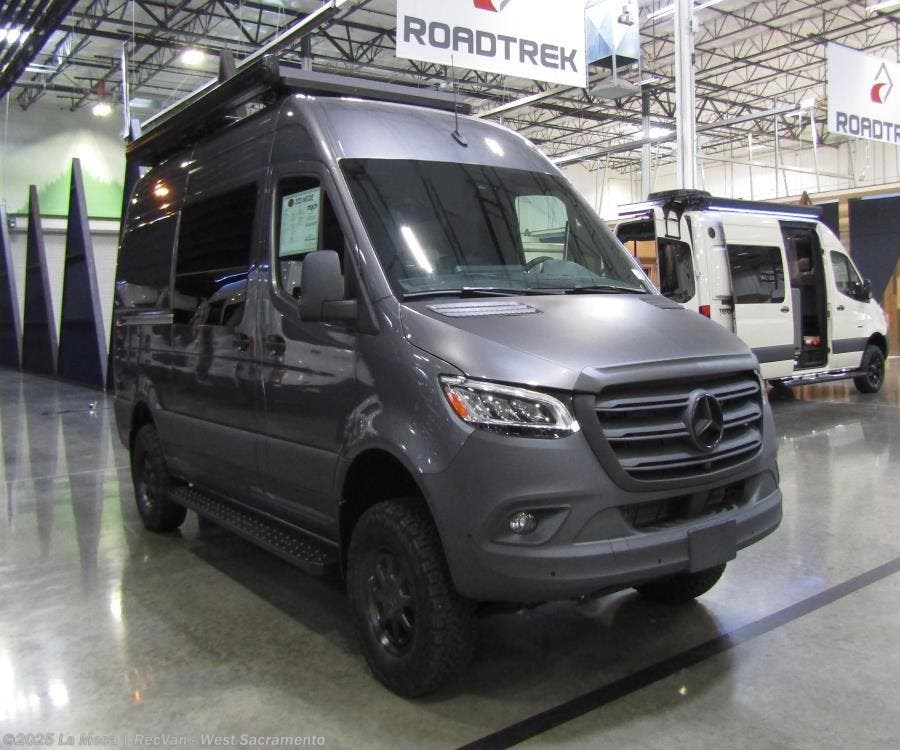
{"points": [[38, 146], [845, 167]]}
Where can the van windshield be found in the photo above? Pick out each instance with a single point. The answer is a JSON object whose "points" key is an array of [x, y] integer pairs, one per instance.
{"points": [[446, 228]]}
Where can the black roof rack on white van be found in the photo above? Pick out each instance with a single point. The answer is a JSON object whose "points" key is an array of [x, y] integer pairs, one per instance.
{"points": [[264, 81], [680, 201]]}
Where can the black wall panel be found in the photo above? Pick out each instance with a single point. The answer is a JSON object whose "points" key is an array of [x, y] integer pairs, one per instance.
{"points": [[830, 216], [39, 347], [875, 239], [82, 346]]}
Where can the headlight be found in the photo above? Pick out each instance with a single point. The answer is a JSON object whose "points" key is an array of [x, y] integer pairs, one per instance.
{"points": [[514, 411]]}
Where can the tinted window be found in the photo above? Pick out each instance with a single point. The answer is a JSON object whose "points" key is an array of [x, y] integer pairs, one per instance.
{"points": [[845, 276], [757, 273], [676, 270], [305, 222], [214, 244], [145, 265], [441, 227]]}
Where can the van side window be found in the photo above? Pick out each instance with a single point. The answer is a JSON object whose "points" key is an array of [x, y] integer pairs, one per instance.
{"points": [[757, 273], [305, 222], [676, 270], [214, 245], [145, 265], [846, 278]]}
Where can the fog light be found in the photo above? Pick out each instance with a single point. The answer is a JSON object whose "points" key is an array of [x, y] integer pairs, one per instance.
{"points": [[522, 522]]}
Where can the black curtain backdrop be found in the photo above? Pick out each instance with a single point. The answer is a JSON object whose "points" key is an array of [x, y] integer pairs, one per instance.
{"points": [[875, 239]]}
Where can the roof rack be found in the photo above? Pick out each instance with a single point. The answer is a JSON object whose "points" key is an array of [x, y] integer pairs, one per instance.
{"points": [[266, 80], [679, 201]]}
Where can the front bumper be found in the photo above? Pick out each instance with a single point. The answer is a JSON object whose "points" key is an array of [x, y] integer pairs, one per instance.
{"points": [[592, 534]]}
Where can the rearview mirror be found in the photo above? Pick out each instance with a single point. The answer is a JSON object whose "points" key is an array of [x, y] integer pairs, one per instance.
{"points": [[322, 297]]}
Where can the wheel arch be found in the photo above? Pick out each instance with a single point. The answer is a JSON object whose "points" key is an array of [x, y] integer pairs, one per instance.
{"points": [[374, 475], [140, 416], [878, 339]]}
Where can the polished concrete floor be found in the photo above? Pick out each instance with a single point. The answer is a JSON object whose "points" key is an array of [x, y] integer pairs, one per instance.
{"points": [[105, 628]]}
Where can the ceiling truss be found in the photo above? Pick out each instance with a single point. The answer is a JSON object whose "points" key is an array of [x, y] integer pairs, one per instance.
{"points": [[751, 57]]}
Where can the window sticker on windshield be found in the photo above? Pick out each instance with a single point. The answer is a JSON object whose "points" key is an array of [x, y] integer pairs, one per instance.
{"points": [[300, 222]]}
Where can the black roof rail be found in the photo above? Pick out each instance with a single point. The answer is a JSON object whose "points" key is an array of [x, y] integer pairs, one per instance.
{"points": [[682, 200], [265, 80]]}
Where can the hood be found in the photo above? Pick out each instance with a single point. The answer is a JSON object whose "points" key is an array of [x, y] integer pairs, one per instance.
{"points": [[571, 342]]}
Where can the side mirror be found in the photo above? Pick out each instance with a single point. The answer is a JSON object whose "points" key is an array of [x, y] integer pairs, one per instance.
{"points": [[866, 290], [322, 297]]}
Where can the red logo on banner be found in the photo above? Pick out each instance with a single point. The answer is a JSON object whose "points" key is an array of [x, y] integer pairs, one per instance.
{"points": [[881, 89], [495, 6]]}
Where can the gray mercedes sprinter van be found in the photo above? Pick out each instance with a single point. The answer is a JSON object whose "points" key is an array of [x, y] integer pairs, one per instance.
{"points": [[377, 338]]}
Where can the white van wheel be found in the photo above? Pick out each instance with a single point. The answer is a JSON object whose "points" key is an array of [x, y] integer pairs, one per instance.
{"points": [[873, 371]]}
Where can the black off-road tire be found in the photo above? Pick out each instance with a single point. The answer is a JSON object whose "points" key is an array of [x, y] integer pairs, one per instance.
{"points": [[152, 483], [418, 633], [682, 587], [873, 369]]}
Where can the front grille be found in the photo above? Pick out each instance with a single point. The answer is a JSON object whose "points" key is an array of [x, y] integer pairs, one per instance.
{"points": [[646, 426], [672, 511]]}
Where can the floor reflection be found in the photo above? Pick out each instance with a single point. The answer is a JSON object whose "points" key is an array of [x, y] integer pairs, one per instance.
{"points": [[104, 624]]}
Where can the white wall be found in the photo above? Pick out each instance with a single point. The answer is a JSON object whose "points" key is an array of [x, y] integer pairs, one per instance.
{"points": [[37, 147], [849, 165]]}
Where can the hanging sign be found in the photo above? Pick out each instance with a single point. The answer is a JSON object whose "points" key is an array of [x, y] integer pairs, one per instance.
{"points": [[863, 95], [522, 38]]}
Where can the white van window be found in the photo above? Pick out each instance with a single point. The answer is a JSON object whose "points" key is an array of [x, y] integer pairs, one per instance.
{"points": [[214, 243], [543, 224], [757, 274], [305, 222], [676, 270], [846, 277]]}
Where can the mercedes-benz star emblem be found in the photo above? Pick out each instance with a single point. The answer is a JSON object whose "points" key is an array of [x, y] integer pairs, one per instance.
{"points": [[705, 421]]}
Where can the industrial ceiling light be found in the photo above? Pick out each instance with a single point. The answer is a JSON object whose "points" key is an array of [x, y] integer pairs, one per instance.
{"points": [[101, 109], [14, 34], [670, 9], [883, 5], [193, 57]]}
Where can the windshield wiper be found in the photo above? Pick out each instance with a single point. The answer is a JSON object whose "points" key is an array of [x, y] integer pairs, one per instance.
{"points": [[606, 289], [476, 291]]}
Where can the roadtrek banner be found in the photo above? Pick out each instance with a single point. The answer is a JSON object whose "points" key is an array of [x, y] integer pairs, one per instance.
{"points": [[863, 95], [535, 39]]}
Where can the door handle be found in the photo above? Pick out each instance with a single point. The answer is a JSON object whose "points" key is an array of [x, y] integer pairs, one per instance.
{"points": [[275, 345], [785, 309], [839, 307], [241, 342]]}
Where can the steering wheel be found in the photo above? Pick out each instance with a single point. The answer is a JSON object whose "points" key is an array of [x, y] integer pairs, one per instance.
{"points": [[536, 261]]}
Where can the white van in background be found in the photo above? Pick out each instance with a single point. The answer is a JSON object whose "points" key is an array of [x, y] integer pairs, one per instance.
{"points": [[730, 259]]}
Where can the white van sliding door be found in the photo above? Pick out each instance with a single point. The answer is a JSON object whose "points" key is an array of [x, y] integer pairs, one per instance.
{"points": [[762, 306]]}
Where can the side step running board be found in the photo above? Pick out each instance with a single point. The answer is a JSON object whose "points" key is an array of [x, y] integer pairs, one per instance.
{"points": [[820, 377], [305, 551]]}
